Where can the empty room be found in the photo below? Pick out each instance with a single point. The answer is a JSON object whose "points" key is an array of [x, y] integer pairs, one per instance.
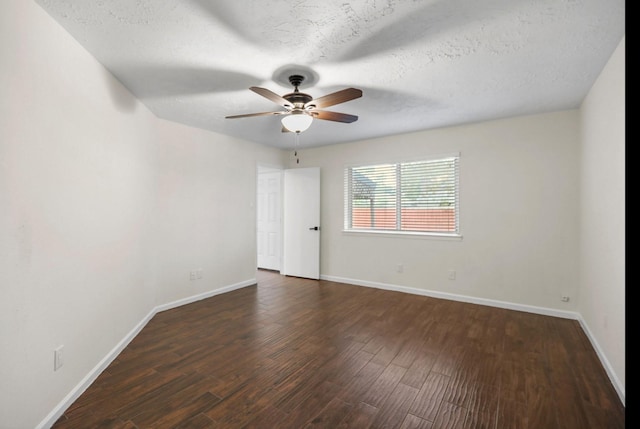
{"points": [[296, 214]]}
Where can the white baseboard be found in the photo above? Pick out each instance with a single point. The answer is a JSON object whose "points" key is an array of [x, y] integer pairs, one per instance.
{"points": [[75, 393], [456, 297], [605, 362], [204, 295], [500, 304]]}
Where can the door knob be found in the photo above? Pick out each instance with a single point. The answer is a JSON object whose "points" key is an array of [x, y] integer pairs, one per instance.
{"points": [[314, 228]]}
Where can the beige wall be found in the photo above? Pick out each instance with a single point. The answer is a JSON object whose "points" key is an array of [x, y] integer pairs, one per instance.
{"points": [[602, 209], [104, 211], [518, 210]]}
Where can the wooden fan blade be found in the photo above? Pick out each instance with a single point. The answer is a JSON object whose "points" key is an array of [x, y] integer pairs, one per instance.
{"points": [[335, 98], [271, 96], [247, 115], [333, 116]]}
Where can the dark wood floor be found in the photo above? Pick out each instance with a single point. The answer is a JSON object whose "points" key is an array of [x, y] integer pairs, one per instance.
{"points": [[297, 353]]}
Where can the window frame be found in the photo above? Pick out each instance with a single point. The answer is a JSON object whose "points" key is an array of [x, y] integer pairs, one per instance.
{"points": [[348, 201]]}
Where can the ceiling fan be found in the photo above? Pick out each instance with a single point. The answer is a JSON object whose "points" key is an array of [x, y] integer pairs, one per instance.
{"points": [[301, 108]]}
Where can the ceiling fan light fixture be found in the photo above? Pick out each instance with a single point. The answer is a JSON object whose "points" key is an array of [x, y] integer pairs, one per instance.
{"points": [[297, 121]]}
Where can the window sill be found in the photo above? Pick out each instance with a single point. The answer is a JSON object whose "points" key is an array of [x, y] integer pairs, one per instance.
{"points": [[404, 234]]}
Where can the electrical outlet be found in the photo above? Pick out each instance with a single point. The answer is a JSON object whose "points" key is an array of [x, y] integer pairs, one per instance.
{"points": [[192, 275], [452, 274], [58, 358], [199, 273], [565, 298], [399, 268]]}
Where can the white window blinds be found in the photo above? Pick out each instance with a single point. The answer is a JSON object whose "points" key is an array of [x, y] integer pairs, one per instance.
{"points": [[419, 196]]}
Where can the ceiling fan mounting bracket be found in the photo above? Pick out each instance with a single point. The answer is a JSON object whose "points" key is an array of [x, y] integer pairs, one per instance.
{"points": [[296, 80], [282, 76]]}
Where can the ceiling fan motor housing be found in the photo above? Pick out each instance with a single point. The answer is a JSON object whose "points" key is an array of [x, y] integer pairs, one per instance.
{"points": [[298, 99]]}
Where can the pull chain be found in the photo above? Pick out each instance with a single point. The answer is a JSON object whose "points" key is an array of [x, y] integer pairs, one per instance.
{"points": [[295, 152]]}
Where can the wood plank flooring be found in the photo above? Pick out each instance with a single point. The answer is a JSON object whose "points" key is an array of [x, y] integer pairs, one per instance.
{"points": [[298, 353]]}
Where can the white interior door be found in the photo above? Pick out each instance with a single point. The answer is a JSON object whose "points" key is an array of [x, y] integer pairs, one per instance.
{"points": [[269, 225], [301, 226]]}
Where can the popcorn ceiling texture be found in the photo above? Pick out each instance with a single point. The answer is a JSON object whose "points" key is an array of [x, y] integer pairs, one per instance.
{"points": [[421, 64]]}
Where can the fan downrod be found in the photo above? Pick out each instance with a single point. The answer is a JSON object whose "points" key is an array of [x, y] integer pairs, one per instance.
{"points": [[297, 98]]}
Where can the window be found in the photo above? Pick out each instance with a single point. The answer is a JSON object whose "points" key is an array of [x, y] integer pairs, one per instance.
{"points": [[419, 197]]}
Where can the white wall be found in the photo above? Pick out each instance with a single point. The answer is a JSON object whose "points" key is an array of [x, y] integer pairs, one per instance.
{"points": [[518, 213], [602, 226], [104, 210]]}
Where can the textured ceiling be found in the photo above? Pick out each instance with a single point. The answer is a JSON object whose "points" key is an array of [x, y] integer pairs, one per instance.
{"points": [[420, 64]]}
